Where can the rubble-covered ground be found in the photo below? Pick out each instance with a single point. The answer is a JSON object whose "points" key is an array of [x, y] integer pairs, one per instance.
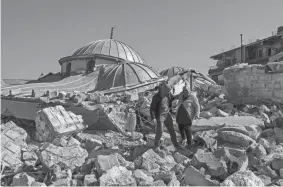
{"points": [[233, 146]]}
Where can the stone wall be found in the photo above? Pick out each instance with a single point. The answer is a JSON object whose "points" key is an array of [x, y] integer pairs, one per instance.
{"points": [[250, 83]]}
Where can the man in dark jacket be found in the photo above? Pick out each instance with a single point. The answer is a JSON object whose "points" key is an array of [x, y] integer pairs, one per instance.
{"points": [[160, 114]]}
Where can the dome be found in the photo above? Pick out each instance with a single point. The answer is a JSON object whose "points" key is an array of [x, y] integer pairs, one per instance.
{"points": [[126, 75], [171, 72], [109, 47]]}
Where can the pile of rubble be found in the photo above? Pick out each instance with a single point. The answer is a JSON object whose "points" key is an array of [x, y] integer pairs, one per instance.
{"points": [[233, 146]]}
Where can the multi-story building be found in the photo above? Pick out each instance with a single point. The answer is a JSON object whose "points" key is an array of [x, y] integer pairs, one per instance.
{"points": [[258, 52]]}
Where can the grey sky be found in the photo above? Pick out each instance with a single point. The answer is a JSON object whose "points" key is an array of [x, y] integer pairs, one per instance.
{"points": [[37, 33]]}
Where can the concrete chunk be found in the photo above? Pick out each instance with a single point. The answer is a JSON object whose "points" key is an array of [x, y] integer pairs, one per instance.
{"points": [[22, 179], [140, 176], [117, 176], [55, 122], [70, 157], [217, 122], [242, 178], [106, 162], [90, 180], [235, 138], [195, 178]]}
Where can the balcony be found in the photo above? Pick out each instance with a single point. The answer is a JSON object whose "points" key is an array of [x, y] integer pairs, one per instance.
{"points": [[260, 58]]}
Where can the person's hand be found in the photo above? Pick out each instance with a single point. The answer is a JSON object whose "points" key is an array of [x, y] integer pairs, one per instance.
{"points": [[197, 117], [154, 121]]}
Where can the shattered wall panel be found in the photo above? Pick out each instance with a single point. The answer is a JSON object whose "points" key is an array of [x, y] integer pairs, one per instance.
{"points": [[252, 83]]}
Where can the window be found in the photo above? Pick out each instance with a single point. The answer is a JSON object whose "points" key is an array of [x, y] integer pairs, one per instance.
{"points": [[269, 52]]}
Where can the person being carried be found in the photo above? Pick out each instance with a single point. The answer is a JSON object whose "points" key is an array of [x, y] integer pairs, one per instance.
{"points": [[188, 109], [160, 114]]}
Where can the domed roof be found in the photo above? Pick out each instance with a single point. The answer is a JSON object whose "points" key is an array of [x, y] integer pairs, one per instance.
{"points": [[126, 75], [110, 47], [171, 72]]}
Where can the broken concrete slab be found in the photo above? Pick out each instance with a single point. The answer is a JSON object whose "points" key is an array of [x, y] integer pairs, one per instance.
{"points": [[165, 176], [13, 140], [194, 177], [174, 182], [214, 123], [265, 179], [37, 184], [88, 165], [66, 141], [106, 162], [55, 121], [22, 179], [149, 165], [277, 161], [117, 176], [154, 157], [242, 178], [78, 98], [90, 180], [235, 138], [140, 175], [259, 151], [266, 170], [215, 166], [70, 157], [29, 158]]}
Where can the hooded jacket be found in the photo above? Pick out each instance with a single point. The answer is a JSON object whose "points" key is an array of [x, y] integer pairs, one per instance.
{"points": [[191, 105]]}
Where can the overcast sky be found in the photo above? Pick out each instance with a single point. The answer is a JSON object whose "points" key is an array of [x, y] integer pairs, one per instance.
{"points": [[37, 33]]}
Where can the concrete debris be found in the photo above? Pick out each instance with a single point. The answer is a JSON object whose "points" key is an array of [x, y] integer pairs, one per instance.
{"points": [[106, 162], [107, 140], [243, 178], [68, 157], [117, 176], [165, 176], [215, 167], [194, 177], [22, 179], [235, 138], [30, 158], [90, 180], [13, 141], [66, 141], [141, 176], [56, 121]]}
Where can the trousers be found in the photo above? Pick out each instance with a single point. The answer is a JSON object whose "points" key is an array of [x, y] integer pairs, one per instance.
{"points": [[185, 131], [168, 123]]}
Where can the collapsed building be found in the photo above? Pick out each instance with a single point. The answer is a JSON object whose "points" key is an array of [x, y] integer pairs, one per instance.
{"points": [[78, 126]]}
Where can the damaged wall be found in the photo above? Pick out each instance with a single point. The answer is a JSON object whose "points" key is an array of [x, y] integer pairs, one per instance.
{"points": [[251, 83]]}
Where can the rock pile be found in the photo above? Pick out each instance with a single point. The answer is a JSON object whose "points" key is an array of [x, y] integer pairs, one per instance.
{"points": [[234, 145]]}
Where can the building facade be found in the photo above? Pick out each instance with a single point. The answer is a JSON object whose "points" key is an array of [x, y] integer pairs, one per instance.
{"points": [[258, 52]]}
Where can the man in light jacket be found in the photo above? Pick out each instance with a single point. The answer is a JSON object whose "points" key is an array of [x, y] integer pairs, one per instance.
{"points": [[188, 109]]}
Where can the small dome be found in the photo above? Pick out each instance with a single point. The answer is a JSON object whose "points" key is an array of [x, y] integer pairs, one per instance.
{"points": [[126, 75], [171, 72], [110, 47]]}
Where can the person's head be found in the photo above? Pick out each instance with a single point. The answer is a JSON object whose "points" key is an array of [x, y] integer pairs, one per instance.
{"points": [[164, 89], [186, 91]]}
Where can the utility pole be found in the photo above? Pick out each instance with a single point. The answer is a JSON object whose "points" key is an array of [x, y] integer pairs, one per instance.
{"points": [[241, 48]]}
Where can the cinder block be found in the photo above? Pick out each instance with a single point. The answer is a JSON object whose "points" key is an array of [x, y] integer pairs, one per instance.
{"points": [[265, 77], [277, 85], [269, 85], [240, 78], [278, 94], [253, 77], [258, 85]]}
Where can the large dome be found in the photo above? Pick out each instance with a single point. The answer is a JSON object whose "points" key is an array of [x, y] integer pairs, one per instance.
{"points": [[110, 47], [126, 75]]}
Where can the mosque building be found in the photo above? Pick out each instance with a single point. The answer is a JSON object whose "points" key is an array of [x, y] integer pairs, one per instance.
{"points": [[95, 53]]}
